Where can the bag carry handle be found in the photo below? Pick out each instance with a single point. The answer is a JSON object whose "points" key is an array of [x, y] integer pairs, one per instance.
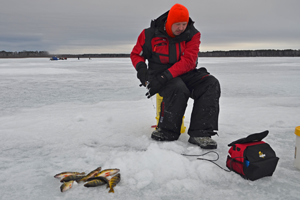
{"points": [[251, 138]]}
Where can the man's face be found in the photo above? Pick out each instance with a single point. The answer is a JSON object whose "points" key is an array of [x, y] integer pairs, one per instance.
{"points": [[178, 28]]}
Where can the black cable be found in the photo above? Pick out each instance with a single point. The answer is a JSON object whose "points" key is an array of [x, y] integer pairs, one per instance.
{"points": [[212, 161], [204, 155], [227, 170]]}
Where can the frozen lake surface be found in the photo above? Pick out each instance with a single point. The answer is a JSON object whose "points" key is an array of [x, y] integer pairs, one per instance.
{"points": [[77, 115]]}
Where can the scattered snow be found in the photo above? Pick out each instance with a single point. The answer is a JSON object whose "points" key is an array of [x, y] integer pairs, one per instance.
{"points": [[77, 115]]}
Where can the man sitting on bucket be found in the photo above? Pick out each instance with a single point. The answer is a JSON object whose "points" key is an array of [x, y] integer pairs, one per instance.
{"points": [[171, 46]]}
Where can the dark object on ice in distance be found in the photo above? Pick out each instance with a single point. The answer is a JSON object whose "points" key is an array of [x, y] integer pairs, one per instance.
{"points": [[54, 58]]}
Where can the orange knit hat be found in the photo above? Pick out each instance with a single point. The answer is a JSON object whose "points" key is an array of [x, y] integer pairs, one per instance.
{"points": [[178, 13]]}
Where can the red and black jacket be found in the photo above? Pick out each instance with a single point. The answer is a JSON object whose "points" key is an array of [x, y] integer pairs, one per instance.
{"points": [[173, 56]]}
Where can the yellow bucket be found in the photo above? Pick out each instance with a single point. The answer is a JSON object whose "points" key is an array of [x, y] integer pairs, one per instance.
{"points": [[297, 147], [159, 99]]}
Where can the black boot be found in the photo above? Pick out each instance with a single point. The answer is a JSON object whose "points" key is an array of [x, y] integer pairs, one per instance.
{"points": [[203, 142], [163, 135]]}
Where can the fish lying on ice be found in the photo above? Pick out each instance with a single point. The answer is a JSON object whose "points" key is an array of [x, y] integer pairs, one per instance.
{"points": [[90, 175], [65, 174], [113, 182], [107, 172], [72, 178], [96, 181], [66, 185]]}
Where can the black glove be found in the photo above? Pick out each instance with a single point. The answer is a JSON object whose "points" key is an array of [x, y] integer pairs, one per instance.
{"points": [[142, 73], [155, 85]]}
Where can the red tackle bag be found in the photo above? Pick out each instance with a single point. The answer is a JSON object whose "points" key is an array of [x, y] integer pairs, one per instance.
{"points": [[252, 158]]}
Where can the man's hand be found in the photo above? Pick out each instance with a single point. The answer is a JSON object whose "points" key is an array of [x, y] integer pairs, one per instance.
{"points": [[155, 85], [142, 74]]}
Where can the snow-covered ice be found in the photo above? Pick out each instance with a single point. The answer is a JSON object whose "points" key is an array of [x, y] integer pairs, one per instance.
{"points": [[77, 115]]}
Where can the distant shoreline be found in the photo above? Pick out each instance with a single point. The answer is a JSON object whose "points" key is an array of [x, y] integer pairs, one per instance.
{"points": [[230, 53]]}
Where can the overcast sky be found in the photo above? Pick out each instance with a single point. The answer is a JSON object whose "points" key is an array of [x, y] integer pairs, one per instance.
{"points": [[112, 26]]}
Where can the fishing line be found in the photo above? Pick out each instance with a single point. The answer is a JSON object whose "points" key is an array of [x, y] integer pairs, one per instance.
{"points": [[152, 103], [147, 83]]}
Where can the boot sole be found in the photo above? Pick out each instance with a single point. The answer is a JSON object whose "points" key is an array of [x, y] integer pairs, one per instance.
{"points": [[208, 147], [154, 137]]}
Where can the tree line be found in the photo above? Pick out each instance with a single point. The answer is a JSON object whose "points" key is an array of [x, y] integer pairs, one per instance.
{"points": [[251, 53], [23, 54], [231, 53]]}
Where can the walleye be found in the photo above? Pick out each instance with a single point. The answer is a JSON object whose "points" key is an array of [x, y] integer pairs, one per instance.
{"points": [[65, 174], [96, 181], [71, 178], [66, 185], [107, 172], [90, 175], [113, 182]]}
